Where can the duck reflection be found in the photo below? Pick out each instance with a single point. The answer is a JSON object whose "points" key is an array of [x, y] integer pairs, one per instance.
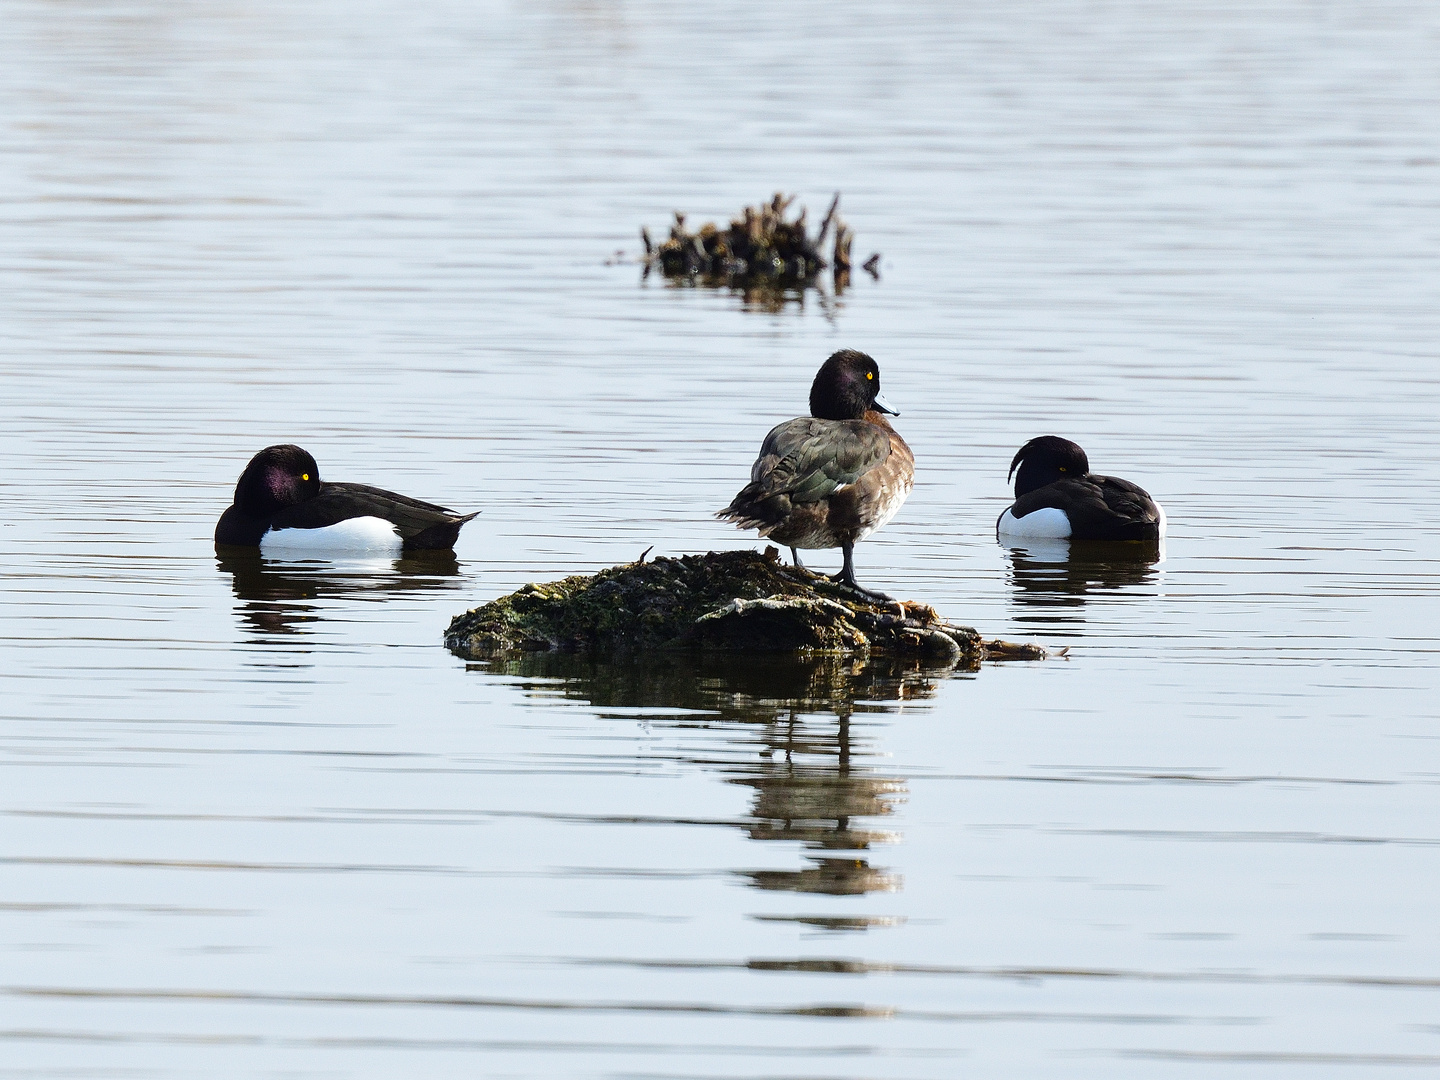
{"points": [[1058, 577], [793, 743], [287, 598]]}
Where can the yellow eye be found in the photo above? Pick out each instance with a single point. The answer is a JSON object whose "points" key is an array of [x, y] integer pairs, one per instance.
{"points": [[1063, 468], [869, 375], [305, 476]]}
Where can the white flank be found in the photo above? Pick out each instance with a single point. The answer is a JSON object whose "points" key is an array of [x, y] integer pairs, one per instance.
{"points": [[358, 535], [1050, 523], [1163, 519]]}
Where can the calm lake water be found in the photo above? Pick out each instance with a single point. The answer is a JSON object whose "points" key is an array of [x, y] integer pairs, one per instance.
{"points": [[257, 821]]}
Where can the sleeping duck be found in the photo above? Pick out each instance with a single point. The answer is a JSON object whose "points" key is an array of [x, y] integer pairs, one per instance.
{"points": [[282, 507], [1057, 496]]}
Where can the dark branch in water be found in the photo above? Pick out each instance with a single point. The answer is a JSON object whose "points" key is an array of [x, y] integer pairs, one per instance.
{"points": [[843, 239], [829, 217]]}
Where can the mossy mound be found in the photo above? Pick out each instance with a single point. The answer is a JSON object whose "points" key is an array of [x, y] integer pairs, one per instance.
{"points": [[734, 600]]}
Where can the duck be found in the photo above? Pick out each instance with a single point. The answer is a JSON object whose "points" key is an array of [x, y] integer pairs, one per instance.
{"points": [[1057, 496], [283, 507], [832, 478]]}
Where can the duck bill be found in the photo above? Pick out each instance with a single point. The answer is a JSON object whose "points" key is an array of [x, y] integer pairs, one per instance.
{"points": [[881, 405]]}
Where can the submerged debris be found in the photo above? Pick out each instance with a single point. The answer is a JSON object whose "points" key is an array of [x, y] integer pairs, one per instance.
{"points": [[760, 249], [734, 600]]}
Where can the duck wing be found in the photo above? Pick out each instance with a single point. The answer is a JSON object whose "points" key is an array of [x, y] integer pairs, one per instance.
{"points": [[1099, 507], [805, 461], [809, 459], [420, 524]]}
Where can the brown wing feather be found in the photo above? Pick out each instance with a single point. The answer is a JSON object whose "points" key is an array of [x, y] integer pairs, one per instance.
{"points": [[805, 461]]}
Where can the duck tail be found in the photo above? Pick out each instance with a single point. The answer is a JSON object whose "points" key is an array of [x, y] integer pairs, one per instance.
{"points": [[753, 509], [440, 537]]}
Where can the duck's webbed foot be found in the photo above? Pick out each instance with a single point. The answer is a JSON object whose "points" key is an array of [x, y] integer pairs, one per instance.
{"points": [[854, 586], [846, 577]]}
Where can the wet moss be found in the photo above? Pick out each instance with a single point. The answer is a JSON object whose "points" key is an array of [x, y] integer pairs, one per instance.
{"points": [[721, 601]]}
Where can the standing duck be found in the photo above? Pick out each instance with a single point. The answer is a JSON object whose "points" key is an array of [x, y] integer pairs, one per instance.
{"points": [[282, 506], [830, 479], [1057, 496]]}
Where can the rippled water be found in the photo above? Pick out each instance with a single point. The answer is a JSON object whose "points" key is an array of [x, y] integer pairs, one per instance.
{"points": [[257, 821]]}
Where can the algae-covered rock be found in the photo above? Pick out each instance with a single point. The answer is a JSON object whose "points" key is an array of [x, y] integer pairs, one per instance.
{"points": [[735, 600]]}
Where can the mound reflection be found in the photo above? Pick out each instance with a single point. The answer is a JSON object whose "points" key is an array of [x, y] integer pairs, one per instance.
{"points": [[793, 742]]}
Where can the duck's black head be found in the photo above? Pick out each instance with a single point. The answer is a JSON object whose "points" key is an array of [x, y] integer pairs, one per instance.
{"points": [[276, 477], [1044, 460], [846, 387]]}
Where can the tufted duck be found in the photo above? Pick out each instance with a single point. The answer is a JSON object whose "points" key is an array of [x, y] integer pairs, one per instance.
{"points": [[282, 507], [833, 478], [1056, 495]]}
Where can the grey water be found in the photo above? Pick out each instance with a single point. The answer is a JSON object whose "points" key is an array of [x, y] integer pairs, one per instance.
{"points": [[257, 821]]}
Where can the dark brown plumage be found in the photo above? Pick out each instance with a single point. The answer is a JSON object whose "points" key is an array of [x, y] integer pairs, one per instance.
{"points": [[831, 479]]}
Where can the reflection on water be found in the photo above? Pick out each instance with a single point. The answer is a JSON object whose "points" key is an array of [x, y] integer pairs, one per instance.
{"points": [[792, 743], [764, 691], [835, 922], [773, 299], [285, 597], [1061, 576]]}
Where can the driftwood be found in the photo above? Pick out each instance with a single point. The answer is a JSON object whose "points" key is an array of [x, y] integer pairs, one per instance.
{"points": [[760, 248]]}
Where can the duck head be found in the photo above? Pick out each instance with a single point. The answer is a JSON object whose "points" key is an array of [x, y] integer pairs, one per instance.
{"points": [[846, 387], [1044, 460], [277, 477]]}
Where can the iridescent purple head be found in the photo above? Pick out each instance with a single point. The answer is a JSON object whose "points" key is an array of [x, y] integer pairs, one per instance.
{"points": [[276, 477], [846, 387]]}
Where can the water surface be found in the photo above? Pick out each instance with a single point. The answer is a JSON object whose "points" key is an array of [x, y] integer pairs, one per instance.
{"points": [[258, 821]]}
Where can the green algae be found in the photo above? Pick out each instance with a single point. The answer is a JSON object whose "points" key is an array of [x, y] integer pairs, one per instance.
{"points": [[740, 601]]}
